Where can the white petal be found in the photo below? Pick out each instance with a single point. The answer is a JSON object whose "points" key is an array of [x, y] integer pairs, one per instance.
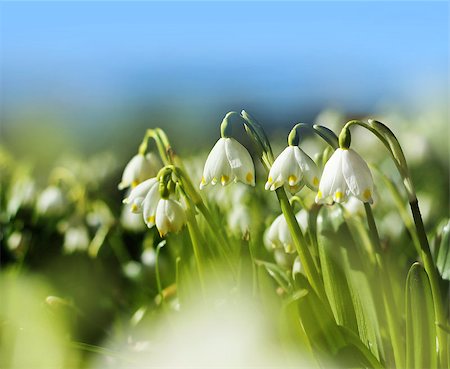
{"points": [[332, 184], [284, 170], [170, 216], [149, 205], [138, 194], [217, 167], [357, 175], [285, 236], [240, 162], [131, 172], [272, 235], [308, 168], [302, 219]]}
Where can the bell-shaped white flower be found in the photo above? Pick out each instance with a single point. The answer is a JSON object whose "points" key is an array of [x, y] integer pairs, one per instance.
{"points": [[228, 161], [345, 174], [239, 219], [170, 216], [278, 234], [76, 238], [138, 169], [139, 193], [51, 201], [293, 167]]}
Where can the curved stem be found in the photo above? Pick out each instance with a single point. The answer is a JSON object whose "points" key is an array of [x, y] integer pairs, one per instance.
{"points": [[386, 136], [154, 134]]}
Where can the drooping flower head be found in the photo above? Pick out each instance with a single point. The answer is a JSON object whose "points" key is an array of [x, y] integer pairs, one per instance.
{"points": [[293, 168], [228, 161], [170, 216], [345, 174], [138, 169], [278, 235], [51, 201], [161, 210]]}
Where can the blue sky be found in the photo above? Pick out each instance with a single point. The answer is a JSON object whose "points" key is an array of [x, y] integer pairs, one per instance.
{"points": [[94, 59]]}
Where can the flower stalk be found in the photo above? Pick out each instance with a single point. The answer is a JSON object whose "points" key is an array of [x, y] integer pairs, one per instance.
{"points": [[387, 137]]}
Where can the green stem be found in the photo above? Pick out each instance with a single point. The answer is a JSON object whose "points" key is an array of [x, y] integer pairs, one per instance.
{"points": [[388, 295], [153, 133], [306, 259], [158, 277], [434, 282]]}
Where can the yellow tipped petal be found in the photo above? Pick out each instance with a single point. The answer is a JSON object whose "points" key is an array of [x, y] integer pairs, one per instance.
{"points": [[338, 195], [134, 183], [224, 180], [249, 177], [270, 180], [203, 181], [367, 194], [151, 219], [319, 195], [315, 181], [134, 207], [292, 179]]}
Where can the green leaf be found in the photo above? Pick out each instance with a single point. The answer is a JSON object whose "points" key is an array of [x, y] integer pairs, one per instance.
{"points": [[333, 344], [443, 256], [420, 320], [332, 237], [358, 267], [277, 273]]}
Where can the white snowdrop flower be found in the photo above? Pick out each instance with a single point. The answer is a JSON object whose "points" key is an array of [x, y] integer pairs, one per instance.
{"points": [[139, 193], [345, 174], [131, 221], [239, 219], [150, 204], [228, 161], [170, 216], [293, 167], [138, 169], [354, 206], [278, 234], [22, 194], [51, 201], [76, 238], [148, 257], [296, 267]]}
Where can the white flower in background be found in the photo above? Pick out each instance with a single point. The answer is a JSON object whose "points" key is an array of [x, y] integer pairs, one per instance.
{"points": [[51, 201], [296, 267], [170, 216], [239, 219], [131, 221], [278, 235], [76, 238], [228, 161], [138, 169], [139, 194], [148, 257], [345, 174], [290, 168], [21, 194]]}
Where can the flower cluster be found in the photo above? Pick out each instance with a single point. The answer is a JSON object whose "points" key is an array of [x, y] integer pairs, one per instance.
{"points": [[166, 213]]}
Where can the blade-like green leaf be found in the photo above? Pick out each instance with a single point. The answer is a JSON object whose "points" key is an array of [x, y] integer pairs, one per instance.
{"points": [[443, 256], [330, 342], [420, 320], [332, 238]]}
